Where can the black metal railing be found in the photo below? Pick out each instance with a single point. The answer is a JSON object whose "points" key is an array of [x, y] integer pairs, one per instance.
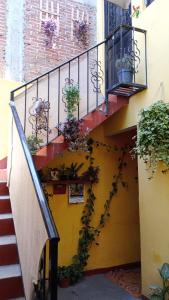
{"points": [[46, 287], [94, 71]]}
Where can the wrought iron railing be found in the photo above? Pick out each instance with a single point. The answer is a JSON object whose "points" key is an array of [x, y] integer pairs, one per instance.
{"points": [[40, 102]]}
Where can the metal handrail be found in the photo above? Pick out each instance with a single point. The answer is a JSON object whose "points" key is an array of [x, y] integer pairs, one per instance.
{"points": [[46, 214], [79, 55], [53, 235]]}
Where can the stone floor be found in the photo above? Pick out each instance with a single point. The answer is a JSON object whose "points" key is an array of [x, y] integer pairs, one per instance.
{"points": [[128, 279], [96, 287]]}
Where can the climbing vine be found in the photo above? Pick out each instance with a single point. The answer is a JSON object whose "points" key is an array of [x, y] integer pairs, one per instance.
{"points": [[89, 234]]}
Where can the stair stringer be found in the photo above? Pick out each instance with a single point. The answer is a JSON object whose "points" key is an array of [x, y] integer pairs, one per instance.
{"points": [[91, 121]]}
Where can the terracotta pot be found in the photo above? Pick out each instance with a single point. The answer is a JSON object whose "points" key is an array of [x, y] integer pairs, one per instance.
{"points": [[64, 283]]}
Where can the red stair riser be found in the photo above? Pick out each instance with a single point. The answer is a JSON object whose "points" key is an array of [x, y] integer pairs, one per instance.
{"points": [[6, 227], [5, 206], [8, 255], [3, 189], [11, 288]]}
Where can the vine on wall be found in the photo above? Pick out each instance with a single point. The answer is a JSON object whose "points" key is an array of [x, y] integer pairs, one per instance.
{"points": [[88, 234]]}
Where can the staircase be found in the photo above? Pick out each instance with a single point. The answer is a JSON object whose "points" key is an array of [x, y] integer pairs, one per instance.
{"points": [[11, 286], [38, 108]]}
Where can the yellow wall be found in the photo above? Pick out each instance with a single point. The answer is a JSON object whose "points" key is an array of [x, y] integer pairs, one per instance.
{"points": [[5, 88], [119, 240], [154, 194]]}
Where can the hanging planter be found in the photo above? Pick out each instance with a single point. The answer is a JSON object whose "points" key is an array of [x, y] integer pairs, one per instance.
{"points": [[81, 31], [49, 27]]}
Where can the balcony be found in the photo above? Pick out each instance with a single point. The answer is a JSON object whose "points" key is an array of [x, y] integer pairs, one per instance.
{"points": [[126, 61]]}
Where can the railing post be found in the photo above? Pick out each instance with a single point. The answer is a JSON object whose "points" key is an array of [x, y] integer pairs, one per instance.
{"points": [[106, 77], [53, 263], [12, 96]]}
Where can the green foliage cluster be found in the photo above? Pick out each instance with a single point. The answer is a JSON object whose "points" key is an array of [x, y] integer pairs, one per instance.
{"points": [[126, 62], [69, 172], [34, 143], [71, 99], [161, 293], [153, 135]]}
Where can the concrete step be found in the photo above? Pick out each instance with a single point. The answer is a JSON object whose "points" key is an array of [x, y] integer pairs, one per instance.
{"points": [[10, 271], [10, 282], [7, 240], [4, 197], [6, 224]]}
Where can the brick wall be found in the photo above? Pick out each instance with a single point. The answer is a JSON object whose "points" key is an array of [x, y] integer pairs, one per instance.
{"points": [[39, 58], [2, 36]]}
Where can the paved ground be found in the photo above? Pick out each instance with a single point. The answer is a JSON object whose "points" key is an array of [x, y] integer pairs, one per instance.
{"points": [[95, 287]]}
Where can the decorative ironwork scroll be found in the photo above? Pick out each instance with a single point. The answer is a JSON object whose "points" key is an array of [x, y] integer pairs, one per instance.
{"points": [[134, 53], [39, 116], [96, 75]]}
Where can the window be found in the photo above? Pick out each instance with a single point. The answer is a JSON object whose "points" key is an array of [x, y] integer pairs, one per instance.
{"points": [[148, 2]]}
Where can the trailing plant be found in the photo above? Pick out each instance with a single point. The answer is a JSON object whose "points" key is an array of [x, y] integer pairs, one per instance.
{"points": [[49, 27], [34, 143], [81, 31], [152, 138], [161, 293], [71, 98]]}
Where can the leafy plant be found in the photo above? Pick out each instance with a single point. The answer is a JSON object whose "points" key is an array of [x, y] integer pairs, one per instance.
{"points": [[34, 143], [71, 99], [153, 135], [74, 169], [73, 135], [68, 173], [92, 174], [160, 293], [63, 273], [126, 62]]}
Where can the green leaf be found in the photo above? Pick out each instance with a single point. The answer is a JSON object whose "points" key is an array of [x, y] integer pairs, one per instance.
{"points": [[164, 271]]}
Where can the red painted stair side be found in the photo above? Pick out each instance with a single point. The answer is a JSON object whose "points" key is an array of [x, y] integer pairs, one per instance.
{"points": [[89, 123]]}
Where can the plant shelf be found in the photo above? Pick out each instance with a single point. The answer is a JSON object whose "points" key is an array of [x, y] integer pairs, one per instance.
{"points": [[68, 181]]}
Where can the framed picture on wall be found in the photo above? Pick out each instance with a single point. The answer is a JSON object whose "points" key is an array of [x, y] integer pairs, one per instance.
{"points": [[76, 193]]}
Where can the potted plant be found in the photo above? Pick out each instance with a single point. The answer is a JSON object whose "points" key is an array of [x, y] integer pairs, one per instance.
{"points": [[125, 68], [34, 143], [161, 293], [63, 276], [71, 99]]}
